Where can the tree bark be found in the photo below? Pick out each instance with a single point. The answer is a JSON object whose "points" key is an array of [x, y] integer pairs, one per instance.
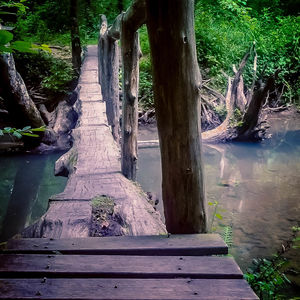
{"points": [[75, 38], [125, 28], [247, 130], [12, 87], [130, 83], [109, 77], [177, 83]]}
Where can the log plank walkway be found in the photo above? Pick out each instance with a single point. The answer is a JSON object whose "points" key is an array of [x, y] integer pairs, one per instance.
{"points": [[94, 168], [127, 267]]}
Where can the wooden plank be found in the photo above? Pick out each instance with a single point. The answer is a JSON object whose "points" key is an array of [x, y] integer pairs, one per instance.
{"points": [[187, 244], [96, 289], [116, 266]]}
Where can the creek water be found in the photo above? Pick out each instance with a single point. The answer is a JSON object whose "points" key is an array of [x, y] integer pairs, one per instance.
{"points": [[26, 183], [256, 185]]}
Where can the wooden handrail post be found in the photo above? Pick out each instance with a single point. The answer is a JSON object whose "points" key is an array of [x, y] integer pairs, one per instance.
{"points": [[130, 58], [177, 83], [108, 61]]}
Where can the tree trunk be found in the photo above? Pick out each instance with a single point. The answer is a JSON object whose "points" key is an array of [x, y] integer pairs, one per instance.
{"points": [[177, 83], [109, 77], [75, 38], [247, 130], [130, 58], [13, 89]]}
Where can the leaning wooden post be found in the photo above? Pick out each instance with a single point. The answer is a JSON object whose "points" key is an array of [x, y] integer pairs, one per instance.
{"points": [[131, 21], [130, 58], [109, 76], [102, 56], [177, 83]]}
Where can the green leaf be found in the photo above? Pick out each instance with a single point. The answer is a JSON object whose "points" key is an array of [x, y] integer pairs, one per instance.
{"points": [[5, 37], [26, 128], [219, 216], [7, 128], [22, 46], [43, 47], [42, 129], [17, 134], [1, 132], [6, 13], [30, 134]]}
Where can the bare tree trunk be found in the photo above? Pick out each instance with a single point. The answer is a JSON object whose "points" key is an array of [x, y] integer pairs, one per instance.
{"points": [[250, 119], [75, 38], [177, 83], [109, 77], [12, 87]]}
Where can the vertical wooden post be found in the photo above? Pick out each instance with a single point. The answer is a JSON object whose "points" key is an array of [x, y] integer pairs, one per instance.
{"points": [[177, 83], [108, 59], [130, 57]]}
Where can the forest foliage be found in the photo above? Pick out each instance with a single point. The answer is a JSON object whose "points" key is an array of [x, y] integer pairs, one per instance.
{"points": [[224, 30]]}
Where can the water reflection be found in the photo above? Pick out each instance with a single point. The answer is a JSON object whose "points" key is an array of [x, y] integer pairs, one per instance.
{"points": [[26, 184], [257, 185]]}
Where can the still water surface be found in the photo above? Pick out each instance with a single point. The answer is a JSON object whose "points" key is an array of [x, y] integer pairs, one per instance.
{"points": [[26, 183], [257, 186]]}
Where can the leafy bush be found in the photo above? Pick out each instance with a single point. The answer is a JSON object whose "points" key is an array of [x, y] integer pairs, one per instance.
{"points": [[266, 275], [52, 74], [146, 98], [226, 28]]}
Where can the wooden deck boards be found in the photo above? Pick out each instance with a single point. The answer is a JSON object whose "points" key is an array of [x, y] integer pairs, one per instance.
{"points": [[198, 244], [145, 267]]}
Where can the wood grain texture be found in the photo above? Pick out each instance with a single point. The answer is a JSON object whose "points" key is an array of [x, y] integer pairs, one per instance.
{"points": [[126, 289], [130, 86], [108, 64], [176, 85], [94, 170], [196, 244], [117, 266]]}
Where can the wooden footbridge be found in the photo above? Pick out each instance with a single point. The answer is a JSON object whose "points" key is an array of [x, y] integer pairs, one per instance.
{"points": [[59, 260], [56, 266], [144, 267]]}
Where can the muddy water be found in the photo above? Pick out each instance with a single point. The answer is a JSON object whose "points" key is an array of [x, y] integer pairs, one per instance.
{"points": [[26, 184], [256, 185]]}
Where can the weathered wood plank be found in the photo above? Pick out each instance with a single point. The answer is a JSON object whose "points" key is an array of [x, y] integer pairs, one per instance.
{"points": [[118, 266], [93, 289], [188, 244], [93, 158]]}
